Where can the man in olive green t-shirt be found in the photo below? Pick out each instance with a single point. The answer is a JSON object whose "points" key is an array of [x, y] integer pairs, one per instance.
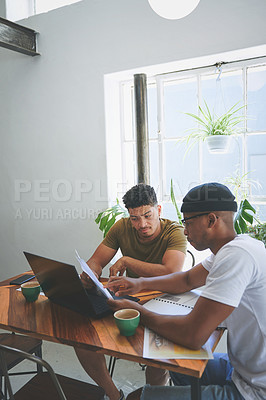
{"points": [[150, 246], [160, 254]]}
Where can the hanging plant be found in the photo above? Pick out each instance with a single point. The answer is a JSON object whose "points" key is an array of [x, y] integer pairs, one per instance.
{"points": [[212, 127]]}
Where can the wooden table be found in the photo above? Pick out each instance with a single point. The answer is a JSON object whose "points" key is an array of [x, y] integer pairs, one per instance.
{"points": [[54, 323]]}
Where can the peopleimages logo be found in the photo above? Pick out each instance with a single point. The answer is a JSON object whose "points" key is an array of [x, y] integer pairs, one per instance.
{"points": [[51, 199], [59, 190], [42, 213]]}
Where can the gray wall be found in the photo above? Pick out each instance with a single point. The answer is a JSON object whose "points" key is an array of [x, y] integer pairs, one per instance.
{"points": [[52, 110]]}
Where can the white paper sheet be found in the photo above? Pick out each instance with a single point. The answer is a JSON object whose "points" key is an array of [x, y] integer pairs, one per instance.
{"points": [[157, 347], [89, 272]]}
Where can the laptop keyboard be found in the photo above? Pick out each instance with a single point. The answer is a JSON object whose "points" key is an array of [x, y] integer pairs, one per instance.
{"points": [[99, 302]]}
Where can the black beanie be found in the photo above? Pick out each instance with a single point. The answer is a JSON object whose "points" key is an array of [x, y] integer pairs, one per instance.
{"points": [[209, 197]]}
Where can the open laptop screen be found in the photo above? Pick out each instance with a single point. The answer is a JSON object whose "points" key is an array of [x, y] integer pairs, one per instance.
{"points": [[61, 284]]}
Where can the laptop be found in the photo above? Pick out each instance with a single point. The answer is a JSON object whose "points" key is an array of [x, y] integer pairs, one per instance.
{"points": [[60, 282]]}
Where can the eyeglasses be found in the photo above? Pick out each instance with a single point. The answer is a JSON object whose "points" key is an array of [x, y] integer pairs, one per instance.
{"points": [[184, 221]]}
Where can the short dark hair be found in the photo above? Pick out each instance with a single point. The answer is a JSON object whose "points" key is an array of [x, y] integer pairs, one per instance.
{"points": [[140, 195]]}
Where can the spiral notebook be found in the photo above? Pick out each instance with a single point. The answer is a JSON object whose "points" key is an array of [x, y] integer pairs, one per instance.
{"points": [[156, 346], [173, 304]]}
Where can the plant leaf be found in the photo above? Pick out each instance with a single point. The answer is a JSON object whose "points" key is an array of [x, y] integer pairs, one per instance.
{"points": [[109, 224], [243, 225], [103, 222], [172, 194], [99, 216], [107, 218], [242, 216]]}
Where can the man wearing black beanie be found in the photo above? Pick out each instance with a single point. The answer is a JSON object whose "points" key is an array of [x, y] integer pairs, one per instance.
{"points": [[233, 295]]}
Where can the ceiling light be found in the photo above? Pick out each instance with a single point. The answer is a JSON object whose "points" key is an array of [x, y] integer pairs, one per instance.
{"points": [[173, 9]]}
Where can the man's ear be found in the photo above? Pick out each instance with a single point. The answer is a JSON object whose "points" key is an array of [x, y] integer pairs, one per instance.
{"points": [[159, 208], [212, 219]]}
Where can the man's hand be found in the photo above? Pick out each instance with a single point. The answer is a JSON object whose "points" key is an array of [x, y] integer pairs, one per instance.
{"points": [[122, 285], [86, 280], [120, 304], [119, 267]]}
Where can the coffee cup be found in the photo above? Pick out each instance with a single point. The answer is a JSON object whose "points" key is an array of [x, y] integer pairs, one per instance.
{"points": [[127, 321], [31, 290]]}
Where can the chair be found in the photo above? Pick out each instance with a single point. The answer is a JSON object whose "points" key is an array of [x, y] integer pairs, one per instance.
{"points": [[25, 343], [46, 385], [189, 261]]}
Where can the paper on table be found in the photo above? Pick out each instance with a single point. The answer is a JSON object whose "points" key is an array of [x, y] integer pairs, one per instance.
{"points": [[89, 272], [157, 347]]}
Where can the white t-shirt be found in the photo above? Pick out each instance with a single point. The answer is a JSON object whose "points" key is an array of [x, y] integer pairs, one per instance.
{"points": [[237, 277]]}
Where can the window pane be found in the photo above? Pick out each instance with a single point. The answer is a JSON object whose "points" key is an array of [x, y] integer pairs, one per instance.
{"points": [[127, 111], [179, 97], [221, 95], [152, 111], [260, 211], [183, 170], [256, 149], [154, 166], [256, 91], [169, 212], [220, 167], [19, 9], [47, 5], [129, 162]]}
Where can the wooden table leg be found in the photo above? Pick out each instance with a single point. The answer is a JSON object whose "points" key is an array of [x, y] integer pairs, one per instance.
{"points": [[195, 389]]}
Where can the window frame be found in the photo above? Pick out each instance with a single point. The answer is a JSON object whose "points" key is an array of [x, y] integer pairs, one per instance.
{"points": [[159, 80]]}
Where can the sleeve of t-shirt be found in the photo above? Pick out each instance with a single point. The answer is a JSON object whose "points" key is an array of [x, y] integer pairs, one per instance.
{"points": [[112, 237], [229, 275], [177, 240], [207, 263]]}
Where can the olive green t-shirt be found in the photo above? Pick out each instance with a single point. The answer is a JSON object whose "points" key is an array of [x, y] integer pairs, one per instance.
{"points": [[122, 235]]}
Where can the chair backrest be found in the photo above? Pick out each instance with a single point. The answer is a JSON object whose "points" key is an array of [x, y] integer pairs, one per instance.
{"points": [[189, 261], [3, 365]]}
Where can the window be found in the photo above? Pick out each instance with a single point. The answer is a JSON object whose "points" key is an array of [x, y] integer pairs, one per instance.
{"points": [[20, 9], [172, 95], [47, 5]]}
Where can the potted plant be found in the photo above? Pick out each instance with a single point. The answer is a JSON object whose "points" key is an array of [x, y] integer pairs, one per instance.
{"points": [[245, 215], [107, 218], [216, 130], [258, 231], [246, 212]]}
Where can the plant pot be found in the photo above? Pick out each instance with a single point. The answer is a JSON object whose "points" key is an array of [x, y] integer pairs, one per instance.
{"points": [[218, 143]]}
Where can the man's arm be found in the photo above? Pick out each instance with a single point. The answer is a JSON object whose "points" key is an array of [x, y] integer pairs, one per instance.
{"points": [[178, 282], [100, 258], [172, 261], [191, 330]]}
